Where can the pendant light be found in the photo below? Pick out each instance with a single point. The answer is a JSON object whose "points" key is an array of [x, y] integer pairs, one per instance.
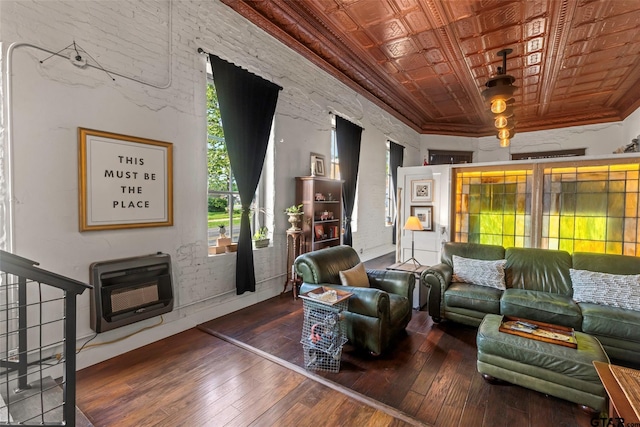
{"points": [[499, 94]]}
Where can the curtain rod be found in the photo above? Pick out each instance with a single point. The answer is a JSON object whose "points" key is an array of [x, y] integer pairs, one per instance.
{"points": [[344, 118], [201, 51]]}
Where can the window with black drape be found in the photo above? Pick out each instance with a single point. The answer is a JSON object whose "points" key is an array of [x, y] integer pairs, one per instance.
{"points": [[348, 142], [247, 105], [396, 158]]}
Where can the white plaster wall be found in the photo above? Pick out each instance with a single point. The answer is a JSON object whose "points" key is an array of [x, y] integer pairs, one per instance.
{"points": [[155, 42]]}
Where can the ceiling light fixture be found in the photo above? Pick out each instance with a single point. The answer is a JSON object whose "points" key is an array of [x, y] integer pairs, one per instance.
{"points": [[499, 95]]}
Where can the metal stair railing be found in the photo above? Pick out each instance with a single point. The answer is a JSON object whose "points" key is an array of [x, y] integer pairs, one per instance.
{"points": [[37, 344]]}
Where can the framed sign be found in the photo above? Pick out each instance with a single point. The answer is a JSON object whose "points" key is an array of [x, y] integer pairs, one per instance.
{"points": [[425, 215], [422, 190], [124, 181]]}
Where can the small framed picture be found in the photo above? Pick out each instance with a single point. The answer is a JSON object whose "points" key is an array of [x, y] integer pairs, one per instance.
{"points": [[422, 190], [317, 164], [425, 215], [319, 231]]}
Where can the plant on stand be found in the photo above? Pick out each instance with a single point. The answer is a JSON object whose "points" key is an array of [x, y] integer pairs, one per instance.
{"points": [[295, 214]]}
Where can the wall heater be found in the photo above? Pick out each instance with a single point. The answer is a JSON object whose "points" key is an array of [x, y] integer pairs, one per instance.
{"points": [[129, 290]]}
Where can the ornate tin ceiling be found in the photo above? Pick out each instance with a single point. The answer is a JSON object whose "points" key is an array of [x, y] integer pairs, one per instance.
{"points": [[576, 62]]}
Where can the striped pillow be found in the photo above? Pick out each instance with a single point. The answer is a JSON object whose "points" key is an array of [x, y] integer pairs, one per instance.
{"points": [[479, 272], [614, 290]]}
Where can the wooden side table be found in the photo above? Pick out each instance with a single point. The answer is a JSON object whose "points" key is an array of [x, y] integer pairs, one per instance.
{"points": [[619, 405], [294, 248]]}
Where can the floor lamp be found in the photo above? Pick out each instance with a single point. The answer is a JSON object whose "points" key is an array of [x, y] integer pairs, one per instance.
{"points": [[413, 224]]}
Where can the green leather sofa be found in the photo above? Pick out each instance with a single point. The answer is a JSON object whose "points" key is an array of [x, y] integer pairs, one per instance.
{"points": [[376, 314], [538, 287]]}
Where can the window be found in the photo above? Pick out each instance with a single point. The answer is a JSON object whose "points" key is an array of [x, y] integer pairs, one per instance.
{"points": [[224, 206], [335, 161], [590, 206], [223, 197], [389, 202], [494, 207]]}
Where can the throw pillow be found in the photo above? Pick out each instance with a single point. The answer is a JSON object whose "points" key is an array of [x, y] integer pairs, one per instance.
{"points": [[479, 272], [615, 290], [355, 276]]}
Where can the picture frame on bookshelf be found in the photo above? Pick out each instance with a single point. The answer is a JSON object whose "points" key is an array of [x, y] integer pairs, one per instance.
{"points": [[317, 165], [318, 229]]}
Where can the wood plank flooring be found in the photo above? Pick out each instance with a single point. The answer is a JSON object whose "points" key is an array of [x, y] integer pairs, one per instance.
{"points": [[197, 379], [429, 375]]}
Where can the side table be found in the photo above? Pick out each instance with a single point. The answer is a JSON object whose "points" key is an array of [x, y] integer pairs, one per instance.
{"points": [[417, 270], [619, 403], [294, 248]]}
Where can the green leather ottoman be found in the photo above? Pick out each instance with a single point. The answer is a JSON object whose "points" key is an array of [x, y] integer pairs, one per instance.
{"points": [[552, 369]]}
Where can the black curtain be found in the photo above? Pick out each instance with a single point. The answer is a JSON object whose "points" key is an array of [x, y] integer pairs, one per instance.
{"points": [[348, 144], [247, 104], [396, 158]]}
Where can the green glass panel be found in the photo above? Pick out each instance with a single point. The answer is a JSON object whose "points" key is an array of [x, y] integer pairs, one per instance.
{"points": [[590, 228], [497, 204], [491, 223], [568, 204], [615, 204], [591, 204], [614, 248], [498, 188], [474, 203], [510, 188], [485, 203], [510, 203], [566, 227], [569, 187], [614, 229], [474, 224], [566, 245], [475, 188], [508, 241]]}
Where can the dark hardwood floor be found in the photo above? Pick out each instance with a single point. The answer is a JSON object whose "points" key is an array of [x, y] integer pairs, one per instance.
{"points": [[195, 379], [248, 370]]}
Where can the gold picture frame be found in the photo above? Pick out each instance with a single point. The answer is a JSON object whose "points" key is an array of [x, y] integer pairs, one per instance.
{"points": [[123, 181]]}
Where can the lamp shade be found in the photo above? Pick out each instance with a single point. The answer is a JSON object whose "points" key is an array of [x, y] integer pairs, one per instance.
{"points": [[413, 224]]}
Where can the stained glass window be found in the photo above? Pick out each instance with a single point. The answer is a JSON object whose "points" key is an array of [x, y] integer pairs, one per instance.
{"points": [[494, 207], [591, 209]]}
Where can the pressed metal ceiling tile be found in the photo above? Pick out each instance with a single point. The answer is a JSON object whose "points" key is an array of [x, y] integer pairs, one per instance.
{"points": [[427, 61]]}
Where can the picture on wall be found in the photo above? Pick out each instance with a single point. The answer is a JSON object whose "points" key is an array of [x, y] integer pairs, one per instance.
{"points": [[425, 215], [422, 190], [317, 164], [124, 181]]}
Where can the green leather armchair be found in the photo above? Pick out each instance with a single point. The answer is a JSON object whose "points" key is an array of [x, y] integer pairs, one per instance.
{"points": [[375, 314]]}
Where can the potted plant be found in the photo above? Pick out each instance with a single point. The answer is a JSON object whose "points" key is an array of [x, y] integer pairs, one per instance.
{"points": [[294, 212], [261, 238]]}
